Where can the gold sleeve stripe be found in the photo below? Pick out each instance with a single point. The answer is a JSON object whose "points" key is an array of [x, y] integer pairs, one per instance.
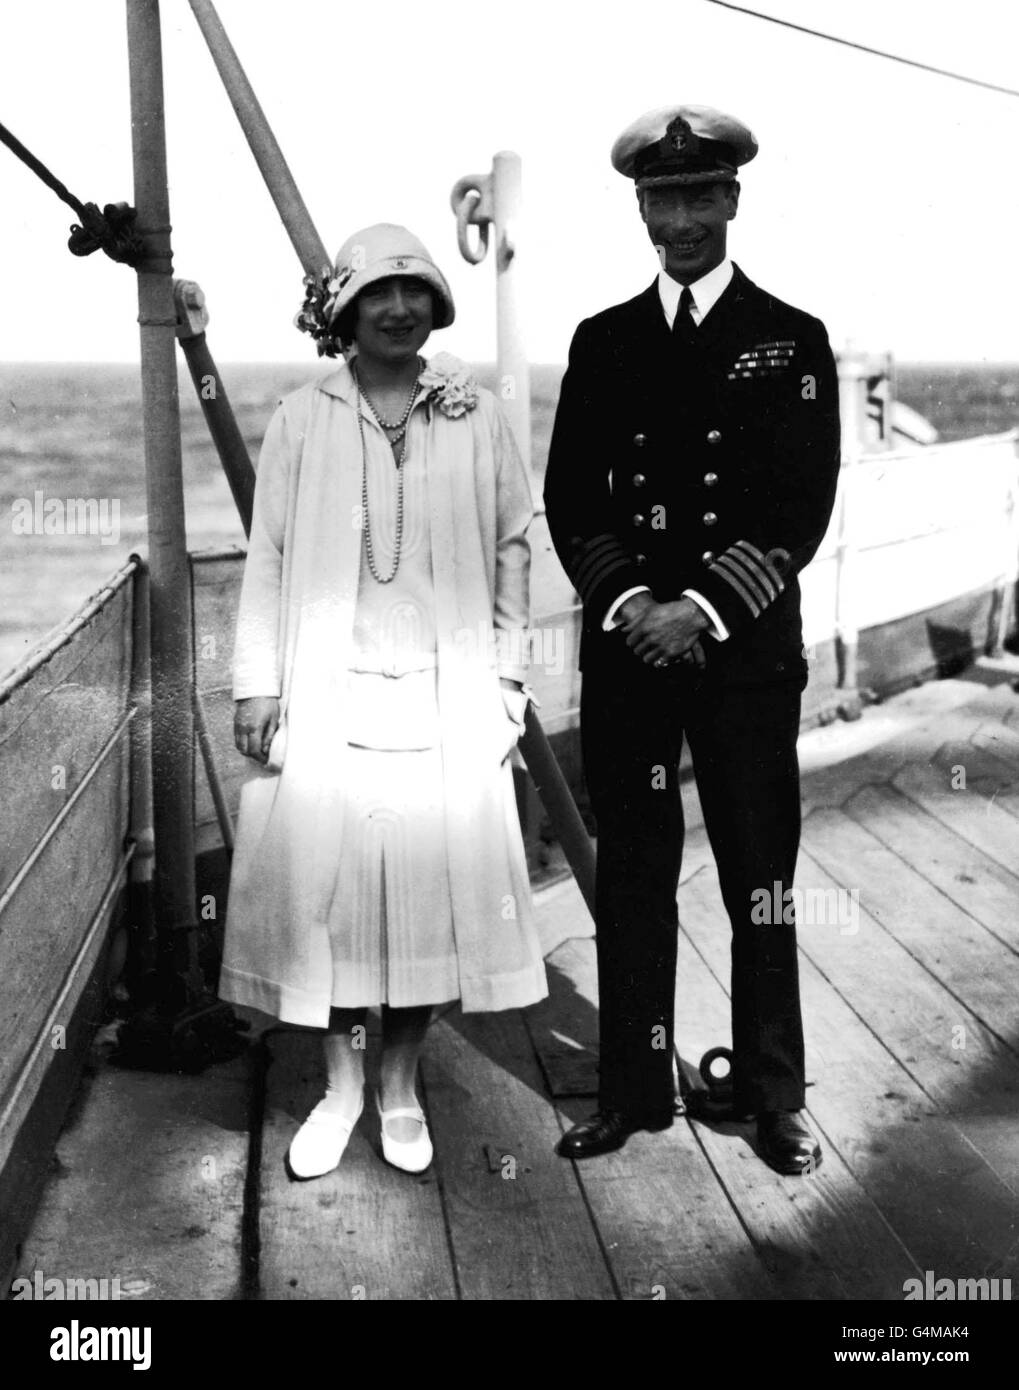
{"points": [[737, 583], [730, 562], [598, 553], [760, 566], [594, 577]]}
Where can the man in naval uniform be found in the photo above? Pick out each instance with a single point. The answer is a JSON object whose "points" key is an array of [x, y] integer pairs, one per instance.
{"points": [[691, 476]]}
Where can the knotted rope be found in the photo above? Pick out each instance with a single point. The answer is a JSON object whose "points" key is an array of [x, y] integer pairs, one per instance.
{"points": [[111, 230]]}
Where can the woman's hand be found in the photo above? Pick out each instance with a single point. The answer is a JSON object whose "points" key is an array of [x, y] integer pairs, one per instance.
{"points": [[515, 700], [255, 723]]}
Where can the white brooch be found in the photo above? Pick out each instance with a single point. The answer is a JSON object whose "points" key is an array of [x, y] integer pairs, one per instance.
{"points": [[450, 384]]}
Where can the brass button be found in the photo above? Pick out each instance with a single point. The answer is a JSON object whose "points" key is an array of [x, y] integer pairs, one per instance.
{"points": [[639, 480], [640, 559], [640, 440], [638, 520], [708, 556], [709, 518], [710, 479], [714, 436]]}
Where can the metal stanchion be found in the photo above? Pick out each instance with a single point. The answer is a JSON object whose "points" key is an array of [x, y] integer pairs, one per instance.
{"points": [[192, 320], [181, 1026], [169, 593]]}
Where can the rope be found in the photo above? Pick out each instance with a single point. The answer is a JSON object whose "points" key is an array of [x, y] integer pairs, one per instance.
{"points": [[112, 230], [862, 48]]}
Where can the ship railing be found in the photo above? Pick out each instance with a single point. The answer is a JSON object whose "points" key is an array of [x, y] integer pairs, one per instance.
{"points": [[917, 572], [67, 723]]}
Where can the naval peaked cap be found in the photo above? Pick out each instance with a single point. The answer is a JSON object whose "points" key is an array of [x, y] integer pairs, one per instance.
{"points": [[683, 144]]}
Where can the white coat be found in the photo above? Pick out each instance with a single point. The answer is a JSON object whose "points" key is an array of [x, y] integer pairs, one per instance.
{"points": [[294, 637]]}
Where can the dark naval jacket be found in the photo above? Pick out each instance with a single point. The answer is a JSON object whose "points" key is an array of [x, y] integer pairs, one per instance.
{"points": [[709, 467]]}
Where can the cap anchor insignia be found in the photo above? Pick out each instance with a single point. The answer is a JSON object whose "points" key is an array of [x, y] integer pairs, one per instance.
{"points": [[684, 141]]}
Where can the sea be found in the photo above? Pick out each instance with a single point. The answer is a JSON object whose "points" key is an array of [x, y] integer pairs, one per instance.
{"points": [[70, 431]]}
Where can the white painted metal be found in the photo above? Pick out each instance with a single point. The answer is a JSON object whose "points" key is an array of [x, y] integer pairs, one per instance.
{"points": [[494, 202], [919, 528]]}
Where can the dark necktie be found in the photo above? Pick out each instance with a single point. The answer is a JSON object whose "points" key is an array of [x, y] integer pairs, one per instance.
{"points": [[684, 330]]}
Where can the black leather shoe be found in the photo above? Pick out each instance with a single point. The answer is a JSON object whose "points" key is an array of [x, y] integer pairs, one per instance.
{"points": [[785, 1142], [607, 1130]]}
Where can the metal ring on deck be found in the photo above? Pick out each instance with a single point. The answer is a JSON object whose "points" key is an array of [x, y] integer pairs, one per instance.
{"points": [[718, 1086], [464, 211]]}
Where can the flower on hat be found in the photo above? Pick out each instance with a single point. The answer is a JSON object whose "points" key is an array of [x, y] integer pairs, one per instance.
{"points": [[315, 314], [450, 384]]}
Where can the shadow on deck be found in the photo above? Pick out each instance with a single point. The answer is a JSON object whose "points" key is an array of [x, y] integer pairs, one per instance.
{"points": [[176, 1186]]}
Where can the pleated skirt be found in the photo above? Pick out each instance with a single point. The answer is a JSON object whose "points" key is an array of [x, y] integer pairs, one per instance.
{"points": [[391, 915]]}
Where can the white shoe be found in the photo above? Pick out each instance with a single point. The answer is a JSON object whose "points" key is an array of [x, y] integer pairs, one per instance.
{"points": [[319, 1144], [412, 1155]]}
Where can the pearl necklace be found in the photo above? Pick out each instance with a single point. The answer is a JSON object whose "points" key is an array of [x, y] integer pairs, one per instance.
{"points": [[400, 425]]}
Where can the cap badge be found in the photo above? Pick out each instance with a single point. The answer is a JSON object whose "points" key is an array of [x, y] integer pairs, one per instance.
{"points": [[401, 263], [681, 137]]}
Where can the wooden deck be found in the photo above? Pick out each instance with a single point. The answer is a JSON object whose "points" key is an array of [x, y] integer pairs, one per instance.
{"points": [[912, 1046]]}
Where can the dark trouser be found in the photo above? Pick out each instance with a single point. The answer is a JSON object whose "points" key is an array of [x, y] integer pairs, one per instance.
{"points": [[743, 744]]}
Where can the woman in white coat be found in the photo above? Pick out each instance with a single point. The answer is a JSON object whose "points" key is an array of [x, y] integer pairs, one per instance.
{"points": [[380, 656]]}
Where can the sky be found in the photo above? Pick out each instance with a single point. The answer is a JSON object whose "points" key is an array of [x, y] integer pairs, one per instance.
{"points": [[883, 199]]}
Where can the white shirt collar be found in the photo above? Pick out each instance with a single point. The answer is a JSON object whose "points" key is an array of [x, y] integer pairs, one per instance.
{"points": [[706, 292]]}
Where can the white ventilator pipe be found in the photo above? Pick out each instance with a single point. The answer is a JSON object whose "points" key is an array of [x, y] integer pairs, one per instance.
{"points": [[514, 369], [494, 203]]}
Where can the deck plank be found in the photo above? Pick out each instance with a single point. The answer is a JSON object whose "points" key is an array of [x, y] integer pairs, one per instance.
{"points": [[821, 1236], [664, 1220], [150, 1186], [1000, 739], [940, 935], [958, 870], [944, 1202], [365, 1231], [813, 1239], [965, 811], [837, 761], [967, 1069], [518, 1224], [898, 999], [992, 768]]}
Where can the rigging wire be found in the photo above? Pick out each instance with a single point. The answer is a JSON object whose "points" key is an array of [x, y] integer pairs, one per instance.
{"points": [[863, 48]]}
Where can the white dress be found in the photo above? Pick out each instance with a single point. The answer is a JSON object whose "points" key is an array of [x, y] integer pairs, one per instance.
{"points": [[391, 919]]}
